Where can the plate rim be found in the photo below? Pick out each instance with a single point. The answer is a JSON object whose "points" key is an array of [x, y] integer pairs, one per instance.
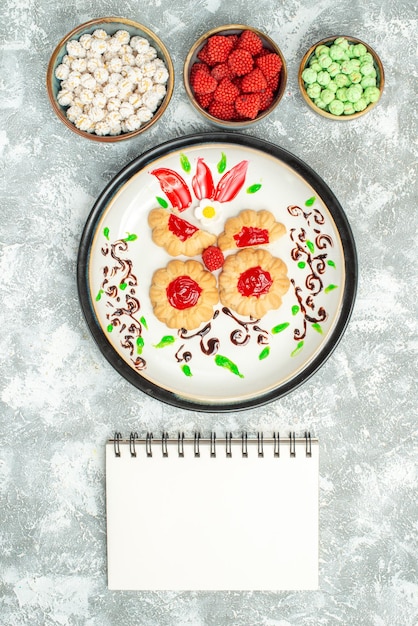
{"points": [[302, 169]]}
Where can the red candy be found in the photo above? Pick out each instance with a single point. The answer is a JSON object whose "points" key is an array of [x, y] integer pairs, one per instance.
{"points": [[235, 78]]}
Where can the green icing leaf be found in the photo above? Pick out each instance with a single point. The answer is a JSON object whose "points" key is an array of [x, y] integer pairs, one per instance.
{"points": [[264, 353], [106, 232], [254, 188], [130, 237], [186, 370], [310, 246], [223, 361], [295, 309], [139, 345], [123, 286], [144, 322], [297, 349], [222, 163], [310, 201], [167, 340], [330, 263], [185, 163], [301, 264], [162, 202], [280, 328], [330, 287], [99, 295], [317, 327], [110, 328]]}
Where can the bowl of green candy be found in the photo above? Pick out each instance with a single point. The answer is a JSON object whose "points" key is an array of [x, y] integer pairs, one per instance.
{"points": [[341, 77]]}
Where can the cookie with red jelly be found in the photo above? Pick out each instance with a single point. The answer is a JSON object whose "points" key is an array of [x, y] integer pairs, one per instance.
{"points": [[250, 228], [176, 235], [183, 294], [252, 282]]}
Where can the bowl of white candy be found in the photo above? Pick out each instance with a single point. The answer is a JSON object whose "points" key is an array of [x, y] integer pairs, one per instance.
{"points": [[110, 79]]}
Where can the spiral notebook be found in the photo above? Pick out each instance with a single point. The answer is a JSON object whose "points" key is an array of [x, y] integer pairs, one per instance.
{"points": [[212, 513]]}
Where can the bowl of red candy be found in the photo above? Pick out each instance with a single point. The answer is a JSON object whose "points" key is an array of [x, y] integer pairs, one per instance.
{"points": [[235, 75]]}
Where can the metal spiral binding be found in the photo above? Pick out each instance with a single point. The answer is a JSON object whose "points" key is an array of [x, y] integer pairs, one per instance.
{"points": [[116, 442], [132, 438], [275, 442]]}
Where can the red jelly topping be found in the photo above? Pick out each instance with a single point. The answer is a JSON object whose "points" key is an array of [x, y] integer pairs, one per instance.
{"points": [[254, 282], [251, 236], [183, 292], [179, 227]]}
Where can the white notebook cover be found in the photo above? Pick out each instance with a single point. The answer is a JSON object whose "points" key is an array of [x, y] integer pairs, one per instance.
{"points": [[223, 523]]}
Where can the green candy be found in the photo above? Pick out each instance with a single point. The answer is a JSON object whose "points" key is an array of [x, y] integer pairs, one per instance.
{"points": [[366, 58], [354, 93], [324, 60], [355, 77], [367, 69], [346, 67], [341, 80], [333, 69], [309, 76], [372, 94], [327, 96], [321, 49], [314, 90], [323, 78], [361, 104], [368, 81], [336, 52], [314, 65], [320, 103], [336, 107], [341, 94], [342, 42], [332, 86], [359, 50], [348, 108]]}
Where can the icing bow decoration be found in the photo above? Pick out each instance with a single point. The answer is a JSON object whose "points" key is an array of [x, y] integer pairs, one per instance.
{"points": [[178, 192]]}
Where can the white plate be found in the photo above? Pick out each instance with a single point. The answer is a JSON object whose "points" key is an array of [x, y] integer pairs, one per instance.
{"points": [[237, 362]]}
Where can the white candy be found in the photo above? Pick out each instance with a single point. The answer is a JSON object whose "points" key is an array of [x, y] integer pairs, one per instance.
{"points": [[151, 100], [99, 46], [65, 97], [115, 65], [83, 122], [86, 96], [99, 100], [113, 104], [93, 63], [101, 75], [140, 44], [132, 123], [125, 87], [75, 49], [110, 91], [62, 71], [111, 84], [126, 110], [148, 69], [135, 99], [115, 78], [88, 81], [145, 85], [73, 112], [79, 65], [85, 41], [95, 113], [100, 34], [144, 114], [161, 75], [122, 37], [102, 128]]}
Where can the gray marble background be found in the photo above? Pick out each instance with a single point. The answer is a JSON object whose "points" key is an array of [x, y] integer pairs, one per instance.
{"points": [[61, 400]]}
